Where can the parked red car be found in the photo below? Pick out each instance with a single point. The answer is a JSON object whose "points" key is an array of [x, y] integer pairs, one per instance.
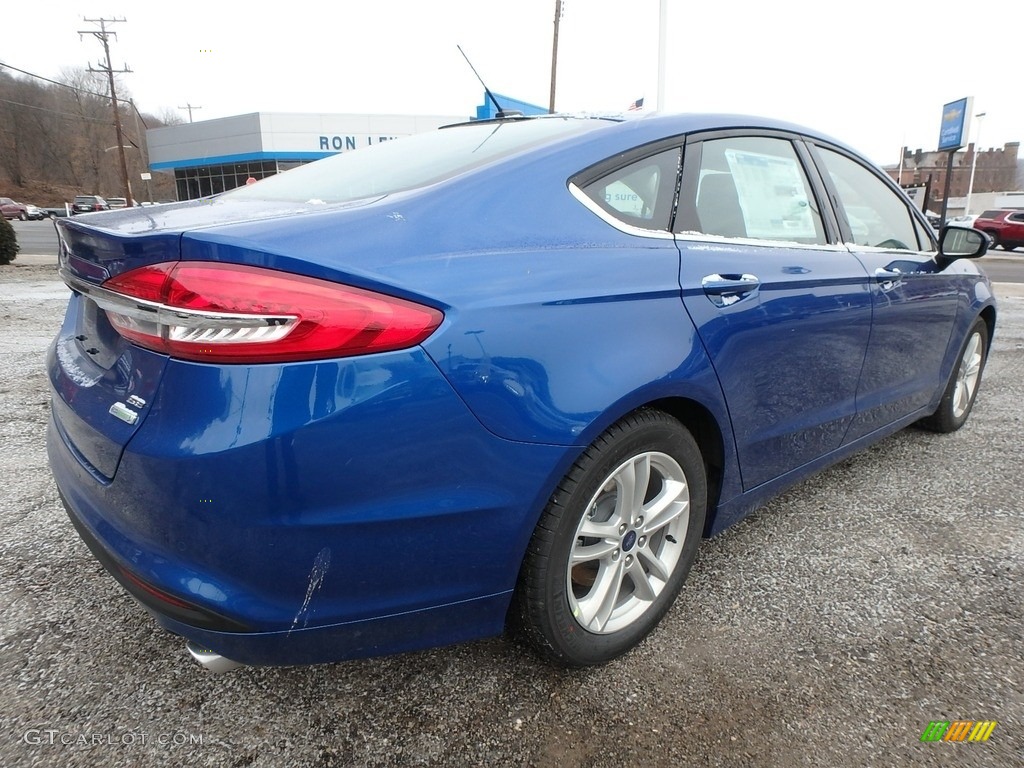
{"points": [[12, 210], [1005, 227]]}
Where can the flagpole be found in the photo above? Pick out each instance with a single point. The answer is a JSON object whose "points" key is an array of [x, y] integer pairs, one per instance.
{"points": [[662, 48]]}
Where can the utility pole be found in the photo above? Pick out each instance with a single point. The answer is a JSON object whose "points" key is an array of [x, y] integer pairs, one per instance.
{"points": [[105, 66], [189, 107], [554, 55], [144, 154]]}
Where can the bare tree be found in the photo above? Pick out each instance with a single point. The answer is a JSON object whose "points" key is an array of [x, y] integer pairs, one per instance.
{"points": [[14, 129], [168, 116], [62, 134]]}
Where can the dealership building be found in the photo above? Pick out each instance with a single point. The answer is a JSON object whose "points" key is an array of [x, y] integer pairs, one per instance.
{"points": [[212, 156]]}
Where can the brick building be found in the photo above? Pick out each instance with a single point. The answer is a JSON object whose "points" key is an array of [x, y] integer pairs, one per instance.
{"points": [[996, 171]]}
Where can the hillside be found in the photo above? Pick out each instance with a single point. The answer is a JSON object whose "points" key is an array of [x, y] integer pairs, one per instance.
{"points": [[57, 140]]}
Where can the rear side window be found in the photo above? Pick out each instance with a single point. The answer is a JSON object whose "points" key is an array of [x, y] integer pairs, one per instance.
{"points": [[751, 187], [877, 215], [640, 194]]}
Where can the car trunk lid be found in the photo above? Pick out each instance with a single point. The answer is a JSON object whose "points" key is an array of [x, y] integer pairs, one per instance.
{"points": [[104, 385]]}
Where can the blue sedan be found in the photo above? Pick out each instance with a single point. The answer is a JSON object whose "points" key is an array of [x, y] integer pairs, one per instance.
{"points": [[507, 373]]}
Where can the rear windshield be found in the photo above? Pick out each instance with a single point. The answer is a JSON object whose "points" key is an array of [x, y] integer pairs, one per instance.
{"points": [[990, 214], [409, 162]]}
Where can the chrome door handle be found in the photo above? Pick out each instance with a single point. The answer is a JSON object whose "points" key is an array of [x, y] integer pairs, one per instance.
{"points": [[888, 278], [725, 290]]}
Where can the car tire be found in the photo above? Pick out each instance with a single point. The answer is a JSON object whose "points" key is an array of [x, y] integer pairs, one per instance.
{"points": [[962, 389], [585, 599], [23, 216], [994, 237]]}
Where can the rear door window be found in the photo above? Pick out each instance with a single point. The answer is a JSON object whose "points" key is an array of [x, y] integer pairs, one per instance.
{"points": [[751, 187]]}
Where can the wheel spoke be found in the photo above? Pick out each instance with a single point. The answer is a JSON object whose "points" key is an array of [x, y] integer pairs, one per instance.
{"points": [[973, 368], [961, 397], [967, 376], [596, 608], [666, 506], [972, 348], [594, 530], [654, 564], [642, 589], [971, 363], [632, 481], [598, 551]]}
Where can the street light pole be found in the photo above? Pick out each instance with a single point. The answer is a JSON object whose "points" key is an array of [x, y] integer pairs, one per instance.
{"points": [[974, 163]]}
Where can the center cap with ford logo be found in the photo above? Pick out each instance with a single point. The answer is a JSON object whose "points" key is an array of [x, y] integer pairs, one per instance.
{"points": [[628, 541]]}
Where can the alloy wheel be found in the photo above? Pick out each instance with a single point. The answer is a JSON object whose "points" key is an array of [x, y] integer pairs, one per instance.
{"points": [[628, 543]]}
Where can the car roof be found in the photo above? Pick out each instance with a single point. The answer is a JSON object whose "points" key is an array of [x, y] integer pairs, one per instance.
{"points": [[994, 213], [665, 124], [639, 128]]}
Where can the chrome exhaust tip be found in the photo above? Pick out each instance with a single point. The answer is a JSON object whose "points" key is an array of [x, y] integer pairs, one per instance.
{"points": [[210, 660]]}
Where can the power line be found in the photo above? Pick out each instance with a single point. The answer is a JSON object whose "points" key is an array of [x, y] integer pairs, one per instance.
{"points": [[55, 82], [105, 121], [104, 96], [70, 116]]}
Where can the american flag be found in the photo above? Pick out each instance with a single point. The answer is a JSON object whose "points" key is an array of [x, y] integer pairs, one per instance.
{"points": [[638, 104]]}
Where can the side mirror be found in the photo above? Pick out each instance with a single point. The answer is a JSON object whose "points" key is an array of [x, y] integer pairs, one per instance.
{"points": [[961, 243]]}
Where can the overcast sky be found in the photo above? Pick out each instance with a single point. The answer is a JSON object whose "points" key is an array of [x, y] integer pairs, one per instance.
{"points": [[872, 73]]}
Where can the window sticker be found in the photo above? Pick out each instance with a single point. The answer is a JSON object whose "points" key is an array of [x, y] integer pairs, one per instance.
{"points": [[772, 195], [624, 200]]}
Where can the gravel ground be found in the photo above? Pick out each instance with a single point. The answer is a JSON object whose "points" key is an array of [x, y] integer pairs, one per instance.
{"points": [[827, 629]]}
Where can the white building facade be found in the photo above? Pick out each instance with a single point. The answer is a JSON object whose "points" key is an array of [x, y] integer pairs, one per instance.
{"points": [[213, 156]]}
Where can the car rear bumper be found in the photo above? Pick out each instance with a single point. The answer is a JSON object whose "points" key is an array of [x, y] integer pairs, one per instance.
{"points": [[384, 635], [445, 624], [404, 528]]}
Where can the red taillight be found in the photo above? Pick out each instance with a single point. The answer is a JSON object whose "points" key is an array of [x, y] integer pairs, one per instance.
{"points": [[228, 313]]}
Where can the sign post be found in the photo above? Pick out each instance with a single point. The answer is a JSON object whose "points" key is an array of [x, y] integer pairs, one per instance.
{"points": [[956, 122]]}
